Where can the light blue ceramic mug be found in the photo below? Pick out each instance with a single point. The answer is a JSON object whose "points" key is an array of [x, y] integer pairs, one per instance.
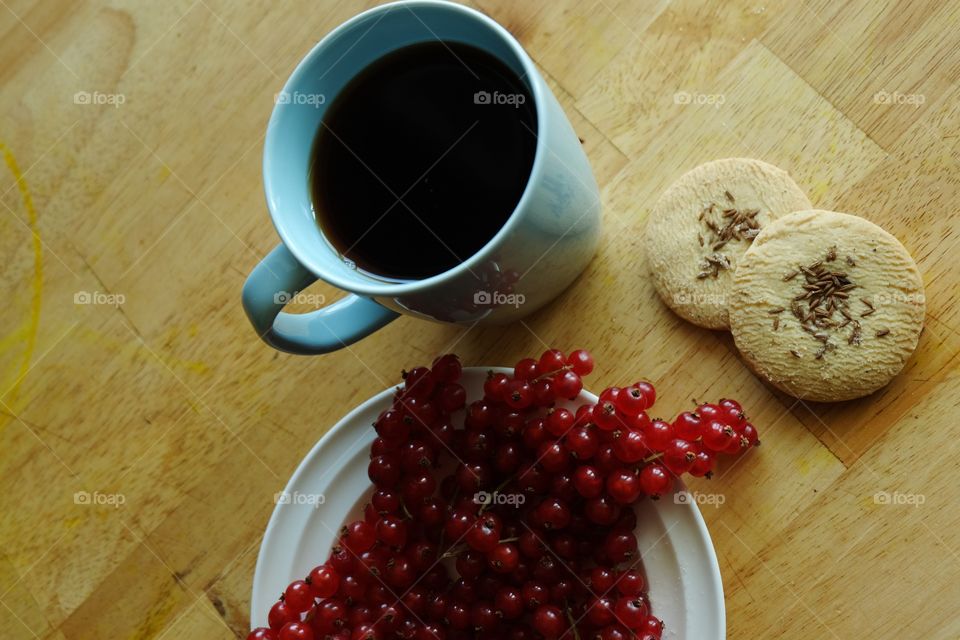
{"points": [[544, 244]]}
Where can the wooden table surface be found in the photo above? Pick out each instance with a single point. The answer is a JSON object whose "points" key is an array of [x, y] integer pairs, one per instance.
{"points": [[133, 212]]}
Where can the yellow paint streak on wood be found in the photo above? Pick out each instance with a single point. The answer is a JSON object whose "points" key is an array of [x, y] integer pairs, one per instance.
{"points": [[28, 332], [133, 348]]}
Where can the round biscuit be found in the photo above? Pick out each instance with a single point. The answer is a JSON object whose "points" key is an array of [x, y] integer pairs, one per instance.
{"points": [[702, 224], [826, 306]]}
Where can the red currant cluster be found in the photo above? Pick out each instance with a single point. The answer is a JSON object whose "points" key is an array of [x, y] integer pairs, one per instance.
{"points": [[532, 509]]}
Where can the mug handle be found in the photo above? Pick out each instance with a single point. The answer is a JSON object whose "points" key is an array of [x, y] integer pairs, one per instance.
{"points": [[275, 280]]}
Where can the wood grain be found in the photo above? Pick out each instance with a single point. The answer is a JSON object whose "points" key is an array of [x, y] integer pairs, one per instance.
{"points": [[167, 399]]}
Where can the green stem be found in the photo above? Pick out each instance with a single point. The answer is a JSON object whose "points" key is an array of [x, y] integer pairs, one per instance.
{"points": [[573, 624], [565, 367]]}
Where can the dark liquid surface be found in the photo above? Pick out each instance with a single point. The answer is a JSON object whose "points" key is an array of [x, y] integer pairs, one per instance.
{"points": [[413, 172]]}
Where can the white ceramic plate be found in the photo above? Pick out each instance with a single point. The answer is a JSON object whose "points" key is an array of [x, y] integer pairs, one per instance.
{"points": [[330, 487]]}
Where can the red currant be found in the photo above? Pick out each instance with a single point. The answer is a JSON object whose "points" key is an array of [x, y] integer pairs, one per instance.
{"points": [[602, 510], [620, 546], [549, 622], [534, 594], [553, 456], [526, 369], [648, 391], [324, 581], [447, 368], [391, 531], [400, 573], [652, 626], [631, 400], [630, 583], [391, 425], [359, 536], [553, 513], [451, 397], [552, 360], [298, 596], [600, 611], [535, 433], [519, 394], [631, 447], [588, 481], [639, 421], [703, 465], [384, 471], [485, 533], [281, 614], [295, 631], [632, 612], [419, 382], [623, 486], [717, 436], [458, 524], [483, 618], [559, 421], [679, 455], [544, 393], [495, 385], [568, 384], [606, 417], [688, 425], [504, 558], [735, 446], [581, 362], [480, 415], [708, 412], [654, 480], [583, 442], [508, 602], [731, 416], [749, 432], [730, 404], [659, 434]]}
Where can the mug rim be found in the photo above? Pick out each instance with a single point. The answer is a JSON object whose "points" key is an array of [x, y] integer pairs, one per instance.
{"points": [[373, 288]]}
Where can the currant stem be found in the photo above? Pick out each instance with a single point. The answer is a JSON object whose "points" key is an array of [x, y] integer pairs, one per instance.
{"points": [[655, 456], [454, 551], [540, 377], [573, 624]]}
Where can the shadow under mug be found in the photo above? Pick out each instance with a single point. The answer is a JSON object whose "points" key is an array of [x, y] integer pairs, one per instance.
{"points": [[545, 243]]}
